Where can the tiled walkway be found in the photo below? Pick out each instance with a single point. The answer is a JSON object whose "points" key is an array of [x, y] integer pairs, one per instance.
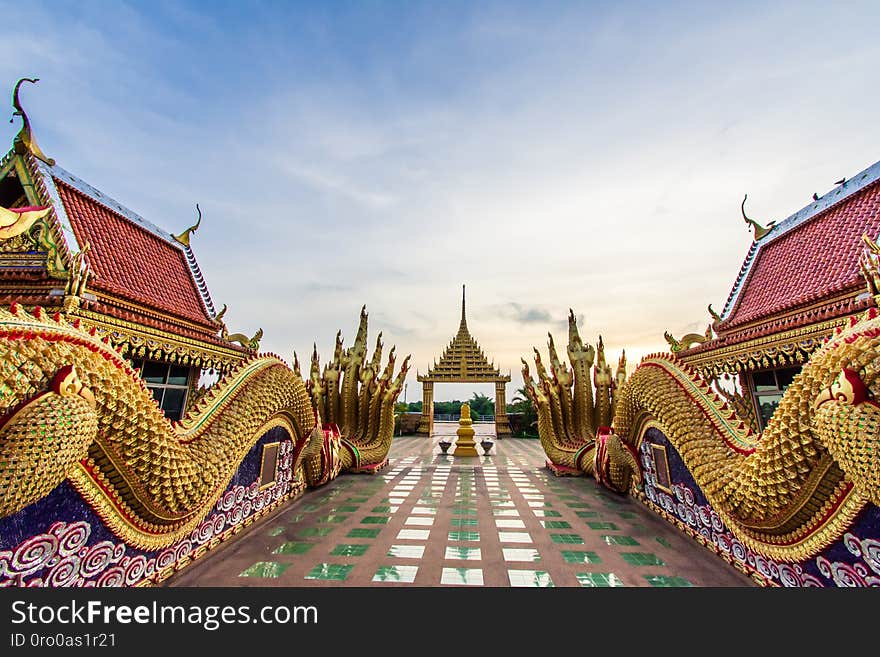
{"points": [[435, 520]]}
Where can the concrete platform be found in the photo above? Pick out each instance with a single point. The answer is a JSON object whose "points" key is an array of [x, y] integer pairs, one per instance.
{"points": [[433, 520]]}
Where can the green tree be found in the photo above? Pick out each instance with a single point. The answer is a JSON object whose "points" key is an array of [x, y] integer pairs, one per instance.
{"points": [[522, 404], [481, 406]]}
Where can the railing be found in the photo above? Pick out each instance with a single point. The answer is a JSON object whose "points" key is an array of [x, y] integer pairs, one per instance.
{"points": [[447, 417]]}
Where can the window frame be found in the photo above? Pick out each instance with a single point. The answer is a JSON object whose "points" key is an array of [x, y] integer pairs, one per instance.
{"points": [[139, 364], [756, 395]]}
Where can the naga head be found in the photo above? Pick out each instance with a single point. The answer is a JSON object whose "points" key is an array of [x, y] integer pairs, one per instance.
{"points": [[577, 352], [602, 372], [358, 352], [620, 375], [541, 371], [559, 368]]}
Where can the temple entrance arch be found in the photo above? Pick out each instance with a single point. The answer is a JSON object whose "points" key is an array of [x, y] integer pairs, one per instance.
{"points": [[463, 361]]}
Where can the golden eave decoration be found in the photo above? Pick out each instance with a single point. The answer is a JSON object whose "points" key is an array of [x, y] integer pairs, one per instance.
{"points": [[779, 350]]}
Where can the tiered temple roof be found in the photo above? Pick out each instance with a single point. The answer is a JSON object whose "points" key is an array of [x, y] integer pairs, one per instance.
{"points": [[463, 359]]}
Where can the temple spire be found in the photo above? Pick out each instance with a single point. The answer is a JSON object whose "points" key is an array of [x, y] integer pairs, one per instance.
{"points": [[463, 325]]}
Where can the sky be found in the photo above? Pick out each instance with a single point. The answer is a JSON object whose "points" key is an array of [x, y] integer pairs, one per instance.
{"points": [[583, 155]]}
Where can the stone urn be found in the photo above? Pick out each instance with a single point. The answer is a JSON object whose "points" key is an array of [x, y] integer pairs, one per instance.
{"points": [[445, 445], [487, 445]]}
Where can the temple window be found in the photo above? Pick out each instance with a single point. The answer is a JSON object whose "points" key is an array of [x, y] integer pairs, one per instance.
{"points": [[168, 383], [768, 387]]}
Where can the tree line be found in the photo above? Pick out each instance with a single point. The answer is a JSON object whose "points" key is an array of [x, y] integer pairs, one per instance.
{"points": [[483, 406]]}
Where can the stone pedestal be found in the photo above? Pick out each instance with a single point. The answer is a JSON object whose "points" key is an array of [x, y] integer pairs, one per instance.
{"points": [[465, 445]]}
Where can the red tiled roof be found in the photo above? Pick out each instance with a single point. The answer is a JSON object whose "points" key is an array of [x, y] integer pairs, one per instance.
{"points": [[130, 261], [809, 262]]}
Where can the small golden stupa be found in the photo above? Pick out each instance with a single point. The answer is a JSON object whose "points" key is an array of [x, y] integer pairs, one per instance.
{"points": [[465, 445]]}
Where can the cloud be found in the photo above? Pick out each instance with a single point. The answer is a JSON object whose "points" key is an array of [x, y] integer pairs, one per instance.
{"points": [[527, 314]]}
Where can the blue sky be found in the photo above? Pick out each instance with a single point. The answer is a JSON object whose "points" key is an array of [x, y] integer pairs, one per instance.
{"points": [[549, 155]]}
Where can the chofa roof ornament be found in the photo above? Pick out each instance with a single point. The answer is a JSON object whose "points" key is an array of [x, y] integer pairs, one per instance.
{"points": [[183, 238], [24, 141], [760, 232]]}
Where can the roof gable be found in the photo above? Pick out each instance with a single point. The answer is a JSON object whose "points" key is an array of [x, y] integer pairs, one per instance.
{"points": [[811, 255], [130, 258]]}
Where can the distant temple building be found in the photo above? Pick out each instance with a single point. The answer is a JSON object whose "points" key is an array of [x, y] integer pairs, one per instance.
{"points": [[463, 361], [64, 245], [801, 280]]}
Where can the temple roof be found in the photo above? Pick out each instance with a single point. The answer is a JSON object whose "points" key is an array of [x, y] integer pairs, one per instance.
{"points": [[463, 359], [811, 256], [134, 260]]}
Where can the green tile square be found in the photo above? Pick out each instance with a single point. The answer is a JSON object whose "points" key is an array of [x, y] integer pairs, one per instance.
{"points": [[349, 550], [463, 522], [627, 515], [570, 497], [464, 511], [599, 579], [382, 508], [314, 531], [620, 540], [313, 507], [662, 541], [642, 559], [357, 500], [330, 571], [296, 518], [567, 538], [587, 514], [548, 514], [265, 569], [334, 518], [464, 536], [577, 505], [293, 547], [375, 520], [666, 580], [555, 524], [363, 532], [580, 556], [602, 525], [346, 508], [275, 531]]}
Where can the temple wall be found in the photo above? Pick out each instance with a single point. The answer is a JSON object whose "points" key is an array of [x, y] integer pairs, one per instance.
{"points": [[61, 541], [852, 560]]}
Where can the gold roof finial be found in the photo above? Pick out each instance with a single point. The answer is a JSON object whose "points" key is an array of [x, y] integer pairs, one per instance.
{"points": [[183, 238], [24, 141], [760, 231], [463, 324]]}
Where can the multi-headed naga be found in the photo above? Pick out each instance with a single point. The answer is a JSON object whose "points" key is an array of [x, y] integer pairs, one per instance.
{"points": [[570, 415], [355, 399]]}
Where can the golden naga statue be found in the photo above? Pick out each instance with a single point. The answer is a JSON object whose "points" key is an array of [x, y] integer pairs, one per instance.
{"points": [[786, 493], [569, 415], [355, 397], [73, 409]]}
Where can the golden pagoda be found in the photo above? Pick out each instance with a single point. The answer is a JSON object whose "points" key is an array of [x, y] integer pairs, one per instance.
{"points": [[463, 361]]}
